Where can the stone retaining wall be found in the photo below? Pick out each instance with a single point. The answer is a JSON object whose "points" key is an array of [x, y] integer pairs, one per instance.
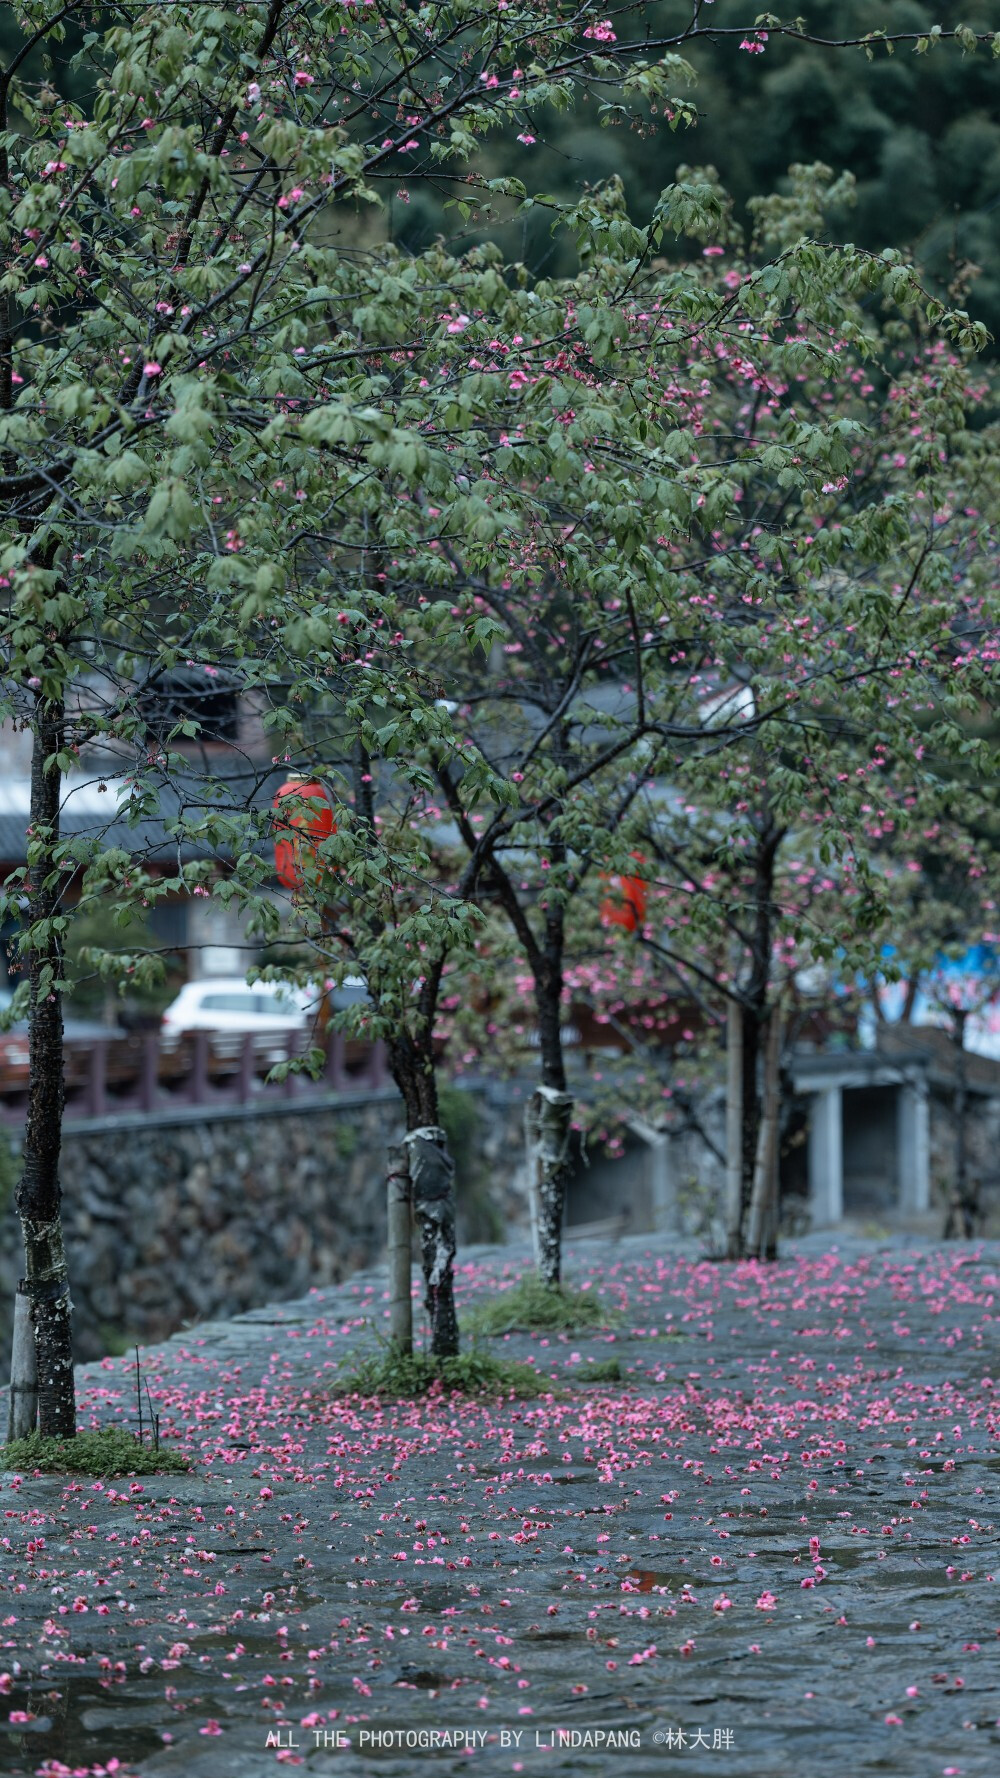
{"points": [[180, 1218]]}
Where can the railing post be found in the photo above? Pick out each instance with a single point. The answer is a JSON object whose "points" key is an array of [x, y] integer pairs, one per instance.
{"points": [[199, 1069], [149, 1071], [334, 1065], [247, 1069], [291, 1081], [97, 1076]]}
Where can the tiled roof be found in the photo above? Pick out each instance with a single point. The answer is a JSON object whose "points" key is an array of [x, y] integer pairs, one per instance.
{"points": [[102, 815]]}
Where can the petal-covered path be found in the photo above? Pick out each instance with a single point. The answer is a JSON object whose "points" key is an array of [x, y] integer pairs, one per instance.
{"points": [[772, 1545]]}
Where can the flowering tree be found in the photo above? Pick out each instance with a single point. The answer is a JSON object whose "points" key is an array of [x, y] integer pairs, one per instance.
{"points": [[770, 857], [197, 419], [370, 902], [806, 651], [218, 417], [938, 853], [733, 630]]}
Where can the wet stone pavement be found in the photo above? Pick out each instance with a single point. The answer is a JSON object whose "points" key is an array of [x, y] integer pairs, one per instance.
{"points": [[770, 1547]]}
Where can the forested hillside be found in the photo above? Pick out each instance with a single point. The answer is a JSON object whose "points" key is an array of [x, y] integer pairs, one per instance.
{"points": [[919, 132]]}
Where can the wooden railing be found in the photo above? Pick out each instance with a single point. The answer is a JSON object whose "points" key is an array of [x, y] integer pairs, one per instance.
{"points": [[138, 1072]]}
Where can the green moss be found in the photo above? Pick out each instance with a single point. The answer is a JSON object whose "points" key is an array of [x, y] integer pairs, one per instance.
{"points": [[401, 1377], [603, 1370], [345, 1141], [111, 1451], [459, 1117], [533, 1307], [480, 1219]]}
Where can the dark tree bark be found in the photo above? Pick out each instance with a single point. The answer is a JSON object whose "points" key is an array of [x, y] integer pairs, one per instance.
{"points": [[754, 999], [734, 1130], [38, 1196], [750, 1113], [760, 1243]]}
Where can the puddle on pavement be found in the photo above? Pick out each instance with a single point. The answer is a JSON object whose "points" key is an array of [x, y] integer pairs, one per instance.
{"points": [[72, 1717], [652, 1580], [425, 1679], [431, 1598], [930, 1581]]}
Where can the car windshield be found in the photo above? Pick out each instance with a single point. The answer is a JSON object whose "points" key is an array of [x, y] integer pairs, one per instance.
{"points": [[258, 1006]]}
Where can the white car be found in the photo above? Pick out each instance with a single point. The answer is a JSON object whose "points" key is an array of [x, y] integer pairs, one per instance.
{"points": [[232, 1008]]}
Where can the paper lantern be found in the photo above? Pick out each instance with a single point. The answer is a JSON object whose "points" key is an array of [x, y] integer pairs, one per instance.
{"points": [[626, 906], [301, 829]]}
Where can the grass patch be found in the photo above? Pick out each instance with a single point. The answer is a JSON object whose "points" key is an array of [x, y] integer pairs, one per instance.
{"points": [[110, 1452], [529, 1306], [603, 1370], [399, 1376]]}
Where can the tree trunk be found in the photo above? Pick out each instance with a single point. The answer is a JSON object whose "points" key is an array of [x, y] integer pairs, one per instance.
{"points": [[755, 999], [38, 1194], [548, 1119], [734, 1130], [430, 1167], [772, 1215], [547, 1133], [432, 1175], [763, 1202], [750, 1110], [22, 1406], [398, 1220]]}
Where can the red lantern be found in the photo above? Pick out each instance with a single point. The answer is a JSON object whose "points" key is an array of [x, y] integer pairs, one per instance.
{"points": [[628, 908], [302, 830]]}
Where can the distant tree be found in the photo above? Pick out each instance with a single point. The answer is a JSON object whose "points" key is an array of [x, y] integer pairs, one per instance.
{"points": [[766, 644], [939, 853]]}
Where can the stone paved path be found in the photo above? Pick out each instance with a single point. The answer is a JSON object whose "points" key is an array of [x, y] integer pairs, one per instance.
{"points": [[771, 1548]]}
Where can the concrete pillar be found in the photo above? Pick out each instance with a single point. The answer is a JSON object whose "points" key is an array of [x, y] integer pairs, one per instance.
{"points": [[663, 1192], [826, 1157], [913, 1147], [662, 1185]]}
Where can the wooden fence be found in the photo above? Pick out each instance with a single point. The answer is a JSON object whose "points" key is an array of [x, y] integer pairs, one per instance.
{"points": [[139, 1072]]}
